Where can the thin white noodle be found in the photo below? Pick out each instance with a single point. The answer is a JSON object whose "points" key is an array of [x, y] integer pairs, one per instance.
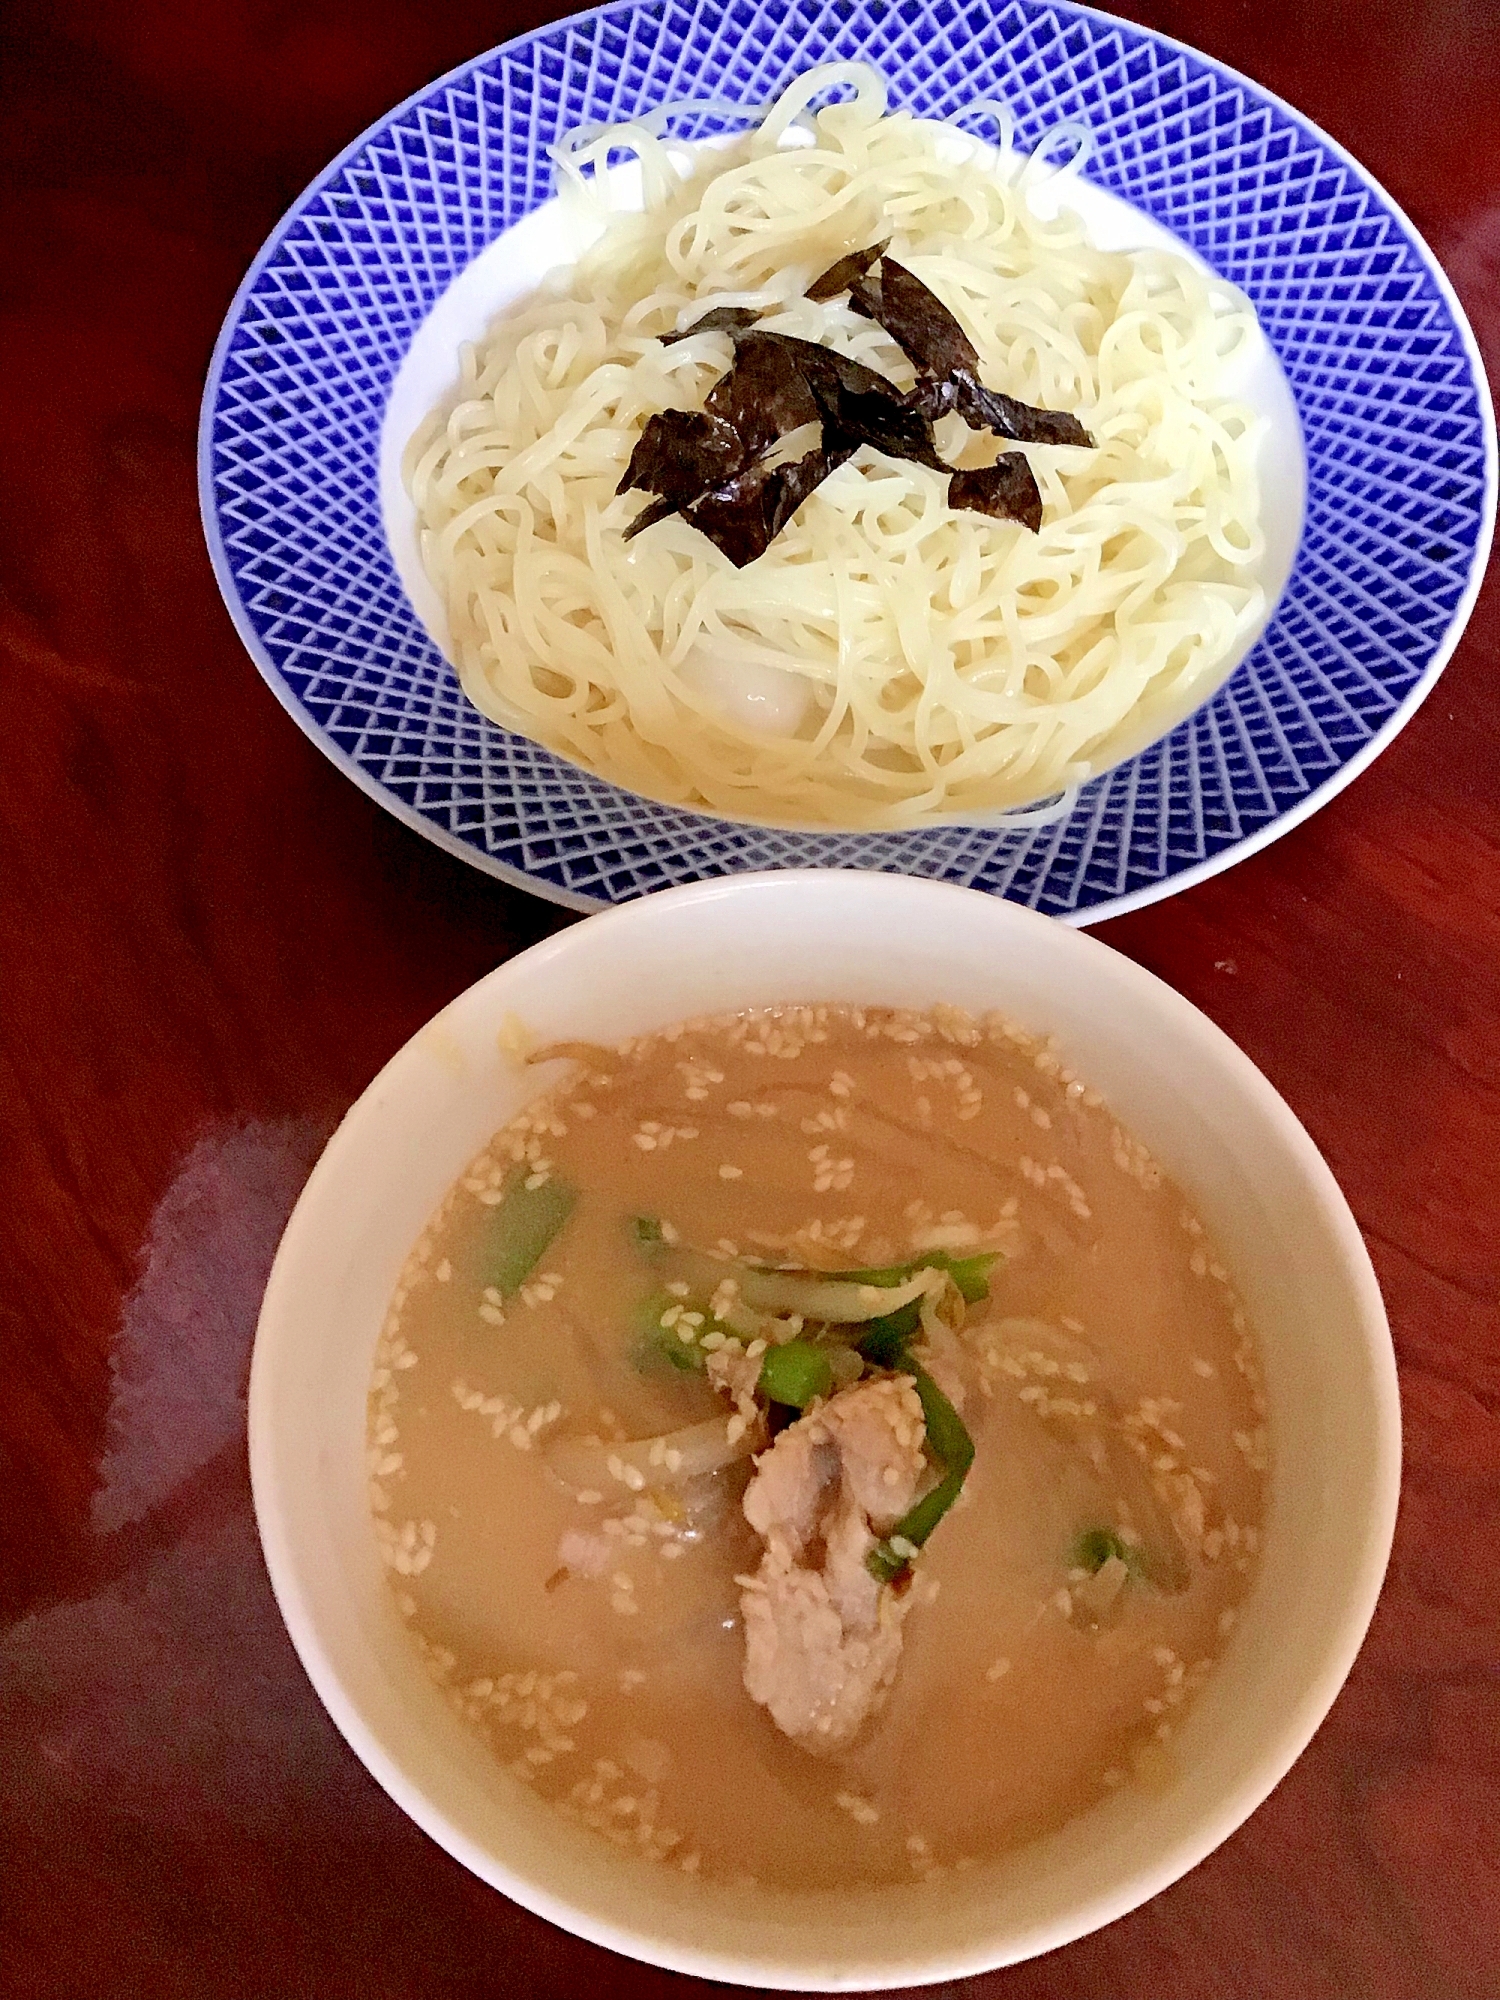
{"points": [[935, 664]]}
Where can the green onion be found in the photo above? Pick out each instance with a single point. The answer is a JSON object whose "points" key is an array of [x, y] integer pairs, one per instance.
{"points": [[812, 1296], [970, 1274], [946, 1433], [887, 1275], [884, 1341], [796, 1373], [646, 1230], [1097, 1546], [892, 1557], [664, 1342], [950, 1444], [524, 1224]]}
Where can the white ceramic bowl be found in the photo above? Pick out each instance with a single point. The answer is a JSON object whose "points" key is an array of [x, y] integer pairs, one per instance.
{"points": [[1182, 1086]]}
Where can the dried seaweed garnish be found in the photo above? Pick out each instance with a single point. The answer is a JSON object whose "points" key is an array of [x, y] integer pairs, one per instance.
{"points": [[745, 516], [713, 465], [947, 362], [681, 453], [648, 517], [881, 419], [737, 518], [840, 276], [991, 410], [823, 364], [766, 394], [1006, 491], [934, 399], [805, 475], [919, 323], [718, 319], [858, 402], [1023, 423]]}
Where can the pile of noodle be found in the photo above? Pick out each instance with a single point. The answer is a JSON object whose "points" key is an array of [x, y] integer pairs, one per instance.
{"points": [[889, 661]]}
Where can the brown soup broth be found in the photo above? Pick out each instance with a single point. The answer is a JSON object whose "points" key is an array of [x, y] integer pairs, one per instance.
{"points": [[1110, 1382]]}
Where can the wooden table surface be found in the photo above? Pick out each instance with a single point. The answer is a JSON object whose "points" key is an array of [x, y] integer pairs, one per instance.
{"points": [[210, 941]]}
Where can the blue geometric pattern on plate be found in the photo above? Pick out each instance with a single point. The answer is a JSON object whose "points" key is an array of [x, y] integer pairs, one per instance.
{"points": [[1395, 413]]}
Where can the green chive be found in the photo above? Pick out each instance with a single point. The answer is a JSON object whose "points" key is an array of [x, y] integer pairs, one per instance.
{"points": [[950, 1444], [887, 1562], [947, 1437]]}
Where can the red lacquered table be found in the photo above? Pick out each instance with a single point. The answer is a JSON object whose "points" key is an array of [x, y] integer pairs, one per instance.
{"points": [[210, 941]]}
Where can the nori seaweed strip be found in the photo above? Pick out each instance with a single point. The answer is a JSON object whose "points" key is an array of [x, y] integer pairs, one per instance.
{"points": [[648, 517], [710, 464], [743, 517], [920, 324], [818, 363], [736, 517], [806, 474], [1006, 491], [947, 362], [718, 319], [934, 399], [765, 395], [682, 453], [1023, 423], [840, 276], [880, 418], [861, 404]]}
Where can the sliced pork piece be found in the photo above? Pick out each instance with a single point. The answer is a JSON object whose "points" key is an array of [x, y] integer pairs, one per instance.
{"points": [[822, 1635]]}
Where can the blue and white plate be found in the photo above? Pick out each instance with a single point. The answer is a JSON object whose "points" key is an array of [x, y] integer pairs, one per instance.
{"points": [[1395, 415]]}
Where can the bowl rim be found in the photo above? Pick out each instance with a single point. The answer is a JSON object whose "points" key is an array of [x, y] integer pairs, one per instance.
{"points": [[871, 1970]]}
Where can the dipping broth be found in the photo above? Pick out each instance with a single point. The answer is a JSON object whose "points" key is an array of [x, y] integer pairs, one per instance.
{"points": [[910, 1661]]}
